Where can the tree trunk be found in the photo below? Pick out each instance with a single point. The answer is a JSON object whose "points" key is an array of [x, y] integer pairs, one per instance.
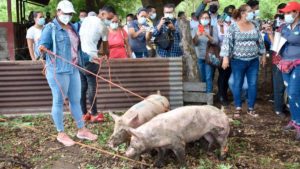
{"points": [[190, 71]]}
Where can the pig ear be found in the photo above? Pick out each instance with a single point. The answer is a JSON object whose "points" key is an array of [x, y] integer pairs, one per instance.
{"points": [[133, 132], [134, 120], [115, 117]]}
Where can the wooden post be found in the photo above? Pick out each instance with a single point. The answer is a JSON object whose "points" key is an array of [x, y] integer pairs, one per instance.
{"points": [[190, 71], [9, 16]]}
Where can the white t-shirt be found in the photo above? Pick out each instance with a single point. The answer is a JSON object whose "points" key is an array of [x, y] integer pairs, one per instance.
{"points": [[34, 33], [91, 30]]}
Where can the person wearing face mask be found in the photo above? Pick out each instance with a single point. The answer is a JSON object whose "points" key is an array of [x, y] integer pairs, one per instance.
{"points": [[152, 16], [82, 16], [118, 41], [254, 4], [34, 33], [242, 48], [201, 38], [278, 85], [129, 18], [139, 35], [61, 37], [93, 29], [213, 10], [168, 25], [224, 75], [290, 62]]}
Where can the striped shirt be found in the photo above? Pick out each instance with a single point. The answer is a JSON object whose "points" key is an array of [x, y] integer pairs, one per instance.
{"points": [[242, 45]]}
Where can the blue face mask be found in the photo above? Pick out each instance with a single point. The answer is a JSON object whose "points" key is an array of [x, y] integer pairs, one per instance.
{"points": [[41, 21], [204, 22], [250, 16], [228, 19], [142, 20], [107, 22]]}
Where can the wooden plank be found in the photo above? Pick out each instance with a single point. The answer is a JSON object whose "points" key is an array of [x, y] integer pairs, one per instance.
{"points": [[198, 97], [194, 87]]}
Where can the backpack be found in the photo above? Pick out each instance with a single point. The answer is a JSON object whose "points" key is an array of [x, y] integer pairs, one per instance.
{"points": [[212, 56], [165, 40]]}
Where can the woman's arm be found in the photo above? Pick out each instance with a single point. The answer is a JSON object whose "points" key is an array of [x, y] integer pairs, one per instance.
{"points": [[133, 34], [30, 48]]}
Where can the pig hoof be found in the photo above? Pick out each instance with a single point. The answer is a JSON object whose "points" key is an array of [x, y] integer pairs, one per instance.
{"points": [[222, 157], [158, 164]]}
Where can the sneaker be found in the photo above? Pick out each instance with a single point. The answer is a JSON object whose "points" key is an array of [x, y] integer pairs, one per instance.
{"points": [[65, 139], [85, 133], [280, 114], [87, 117], [98, 118], [290, 126]]}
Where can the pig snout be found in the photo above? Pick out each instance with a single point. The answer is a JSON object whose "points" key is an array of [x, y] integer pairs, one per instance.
{"points": [[130, 152]]}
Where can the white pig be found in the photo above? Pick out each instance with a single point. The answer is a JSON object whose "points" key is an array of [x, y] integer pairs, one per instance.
{"points": [[137, 115], [172, 130]]}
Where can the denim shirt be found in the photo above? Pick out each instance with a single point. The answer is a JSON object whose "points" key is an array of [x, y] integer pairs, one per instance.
{"points": [[60, 46], [291, 49]]}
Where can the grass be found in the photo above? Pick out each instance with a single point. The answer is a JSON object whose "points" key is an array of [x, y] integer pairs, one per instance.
{"points": [[292, 165]]}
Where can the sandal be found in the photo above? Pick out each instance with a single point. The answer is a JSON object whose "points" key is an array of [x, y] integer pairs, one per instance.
{"points": [[237, 113], [252, 113]]}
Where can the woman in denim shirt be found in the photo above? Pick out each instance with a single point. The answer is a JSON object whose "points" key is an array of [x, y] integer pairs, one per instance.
{"points": [[290, 53], [60, 37]]}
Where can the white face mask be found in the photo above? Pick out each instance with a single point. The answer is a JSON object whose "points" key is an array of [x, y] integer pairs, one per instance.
{"points": [[153, 16], [169, 15], [204, 22], [114, 25], [81, 19], [256, 13], [142, 20], [65, 19], [289, 19]]}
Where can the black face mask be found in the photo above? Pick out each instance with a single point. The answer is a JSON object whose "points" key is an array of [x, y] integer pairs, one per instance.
{"points": [[213, 9]]}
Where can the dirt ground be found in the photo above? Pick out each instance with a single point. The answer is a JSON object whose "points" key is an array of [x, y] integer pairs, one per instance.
{"points": [[253, 143]]}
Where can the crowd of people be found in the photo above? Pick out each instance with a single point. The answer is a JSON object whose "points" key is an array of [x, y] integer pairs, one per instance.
{"points": [[235, 43]]}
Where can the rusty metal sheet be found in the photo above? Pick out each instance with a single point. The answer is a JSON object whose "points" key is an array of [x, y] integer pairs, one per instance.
{"points": [[23, 89]]}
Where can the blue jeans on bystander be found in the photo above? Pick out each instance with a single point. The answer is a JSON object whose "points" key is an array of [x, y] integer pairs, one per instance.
{"points": [[292, 82], [240, 69]]}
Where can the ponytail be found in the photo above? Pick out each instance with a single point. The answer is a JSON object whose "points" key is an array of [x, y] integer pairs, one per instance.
{"points": [[237, 13]]}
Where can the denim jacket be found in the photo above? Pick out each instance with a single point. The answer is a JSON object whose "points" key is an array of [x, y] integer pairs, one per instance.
{"points": [[291, 49], [60, 46]]}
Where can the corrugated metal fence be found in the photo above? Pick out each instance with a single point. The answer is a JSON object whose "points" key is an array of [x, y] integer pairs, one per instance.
{"points": [[23, 89]]}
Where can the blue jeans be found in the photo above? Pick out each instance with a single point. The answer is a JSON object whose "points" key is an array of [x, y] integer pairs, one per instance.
{"points": [[292, 81], [206, 73], [278, 89], [240, 69], [141, 54], [244, 87], [70, 85]]}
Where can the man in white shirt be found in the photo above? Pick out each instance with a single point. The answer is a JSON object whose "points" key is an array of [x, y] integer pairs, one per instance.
{"points": [[194, 21], [93, 29], [34, 33]]}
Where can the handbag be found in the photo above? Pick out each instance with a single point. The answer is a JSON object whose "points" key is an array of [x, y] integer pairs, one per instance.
{"points": [[212, 56]]}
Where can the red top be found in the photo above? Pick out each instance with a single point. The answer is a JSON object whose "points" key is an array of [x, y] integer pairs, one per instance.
{"points": [[116, 44]]}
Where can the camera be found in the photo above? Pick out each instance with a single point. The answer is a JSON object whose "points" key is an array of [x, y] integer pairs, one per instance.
{"points": [[167, 21]]}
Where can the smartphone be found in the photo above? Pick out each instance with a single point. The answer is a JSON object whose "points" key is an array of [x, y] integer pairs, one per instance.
{"points": [[201, 28]]}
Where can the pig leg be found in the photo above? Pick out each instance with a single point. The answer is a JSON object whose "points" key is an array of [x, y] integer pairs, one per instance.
{"points": [[160, 158], [210, 139], [178, 148]]}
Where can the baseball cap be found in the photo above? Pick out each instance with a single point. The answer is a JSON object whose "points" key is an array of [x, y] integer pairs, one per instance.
{"points": [[65, 6], [291, 6]]}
